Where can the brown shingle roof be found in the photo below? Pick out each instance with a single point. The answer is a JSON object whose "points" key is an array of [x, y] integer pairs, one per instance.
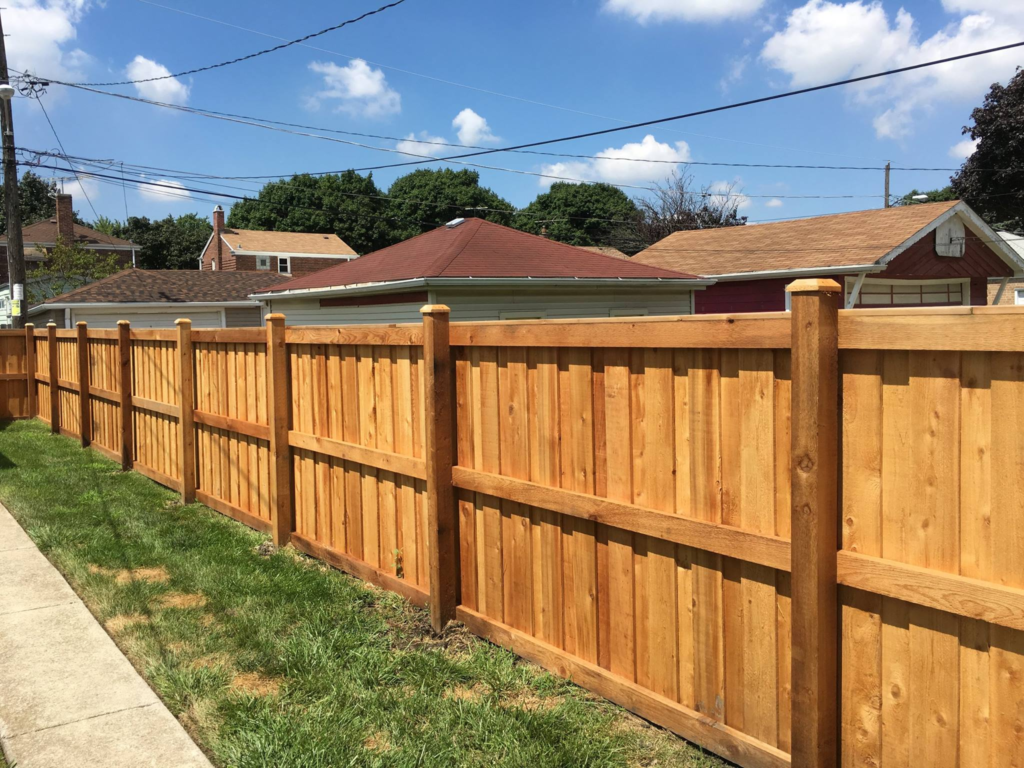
{"points": [[45, 233], [845, 239], [477, 248], [286, 242], [607, 250], [173, 286]]}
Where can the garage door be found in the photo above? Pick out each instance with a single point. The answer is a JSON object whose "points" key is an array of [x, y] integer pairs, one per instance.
{"points": [[204, 318]]}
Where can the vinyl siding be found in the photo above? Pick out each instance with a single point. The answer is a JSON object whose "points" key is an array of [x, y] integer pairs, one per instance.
{"points": [[478, 306], [107, 318], [243, 317]]}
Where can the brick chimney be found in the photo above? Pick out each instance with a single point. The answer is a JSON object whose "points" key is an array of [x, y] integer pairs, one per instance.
{"points": [[218, 228], [65, 219]]}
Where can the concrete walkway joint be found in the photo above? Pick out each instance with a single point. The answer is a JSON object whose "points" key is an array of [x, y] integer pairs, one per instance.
{"points": [[68, 696]]}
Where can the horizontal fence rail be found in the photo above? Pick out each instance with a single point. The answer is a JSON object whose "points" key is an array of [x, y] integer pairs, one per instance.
{"points": [[791, 538]]}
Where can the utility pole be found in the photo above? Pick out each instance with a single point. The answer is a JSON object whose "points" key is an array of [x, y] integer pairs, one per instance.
{"points": [[15, 245], [887, 184]]}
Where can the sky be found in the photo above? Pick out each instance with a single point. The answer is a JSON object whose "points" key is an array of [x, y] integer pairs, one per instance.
{"points": [[493, 74]]}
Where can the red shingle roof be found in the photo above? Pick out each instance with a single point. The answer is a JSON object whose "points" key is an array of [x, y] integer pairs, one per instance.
{"points": [[45, 233], [477, 248]]}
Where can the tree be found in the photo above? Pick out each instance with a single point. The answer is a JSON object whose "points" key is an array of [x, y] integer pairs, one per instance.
{"points": [[35, 197], [106, 225], [68, 266], [169, 243], [934, 196], [678, 205], [991, 180], [347, 204], [579, 214], [425, 199]]}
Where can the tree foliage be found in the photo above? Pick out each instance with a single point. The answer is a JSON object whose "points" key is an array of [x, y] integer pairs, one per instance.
{"points": [[934, 196], [35, 198], [169, 243], [991, 180], [347, 204], [678, 204], [427, 198], [68, 266], [580, 214]]}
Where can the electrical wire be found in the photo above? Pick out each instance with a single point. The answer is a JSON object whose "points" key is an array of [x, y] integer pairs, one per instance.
{"points": [[240, 59], [81, 186]]}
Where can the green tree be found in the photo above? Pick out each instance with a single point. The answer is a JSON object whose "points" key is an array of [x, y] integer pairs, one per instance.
{"points": [[579, 214], [934, 196], [35, 198], [991, 180], [426, 199], [106, 225], [169, 243], [68, 266], [347, 204]]}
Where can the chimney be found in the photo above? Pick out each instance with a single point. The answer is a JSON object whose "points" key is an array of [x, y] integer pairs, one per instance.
{"points": [[218, 228], [544, 230], [65, 219]]}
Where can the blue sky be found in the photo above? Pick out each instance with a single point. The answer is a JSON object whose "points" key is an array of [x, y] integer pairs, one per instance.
{"points": [[598, 61]]}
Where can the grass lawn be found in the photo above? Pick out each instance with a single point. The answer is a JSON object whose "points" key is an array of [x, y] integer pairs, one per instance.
{"points": [[271, 658]]}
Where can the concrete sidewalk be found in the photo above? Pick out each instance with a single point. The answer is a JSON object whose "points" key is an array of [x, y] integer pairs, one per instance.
{"points": [[67, 694]]}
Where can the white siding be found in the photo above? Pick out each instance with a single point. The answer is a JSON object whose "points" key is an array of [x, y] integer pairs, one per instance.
{"points": [[163, 318], [477, 306], [242, 317]]}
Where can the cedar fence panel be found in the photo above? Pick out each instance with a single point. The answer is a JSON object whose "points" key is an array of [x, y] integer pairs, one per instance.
{"points": [[625, 498]]}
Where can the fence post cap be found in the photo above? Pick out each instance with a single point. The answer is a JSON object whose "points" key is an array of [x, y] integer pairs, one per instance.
{"points": [[813, 285], [81, 324], [274, 317], [183, 321], [30, 325], [51, 324], [434, 309], [124, 322]]}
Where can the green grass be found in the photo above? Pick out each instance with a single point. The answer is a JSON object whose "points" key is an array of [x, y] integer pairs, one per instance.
{"points": [[271, 658]]}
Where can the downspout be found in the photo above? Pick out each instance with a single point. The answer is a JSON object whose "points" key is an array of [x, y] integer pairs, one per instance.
{"points": [[1002, 287], [851, 302]]}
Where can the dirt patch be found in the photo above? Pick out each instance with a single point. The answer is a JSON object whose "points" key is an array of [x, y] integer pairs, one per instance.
{"points": [[528, 700], [266, 549], [255, 684], [208, 620], [212, 661], [118, 624], [180, 600], [454, 639], [462, 693], [157, 575], [377, 742]]}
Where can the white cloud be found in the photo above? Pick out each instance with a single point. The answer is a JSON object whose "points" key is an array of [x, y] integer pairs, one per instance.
{"points": [[360, 89], [963, 149], [605, 168], [78, 188], [722, 192], [169, 190], [683, 10], [825, 41], [418, 146], [472, 128], [773, 203], [737, 68], [38, 35], [171, 90]]}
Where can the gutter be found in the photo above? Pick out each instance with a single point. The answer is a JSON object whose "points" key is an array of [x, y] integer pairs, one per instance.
{"points": [[807, 272], [486, 282]]}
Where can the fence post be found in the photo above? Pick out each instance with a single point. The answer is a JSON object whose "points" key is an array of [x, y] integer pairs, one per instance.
{"points": [[124, 350], [84, 412], [277, 416], [51, 353], [441, 519], [30, 367], [186, 415], [815, 523]]}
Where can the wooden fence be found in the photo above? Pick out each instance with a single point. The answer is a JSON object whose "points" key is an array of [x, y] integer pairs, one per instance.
{"points": [[793, 538]]}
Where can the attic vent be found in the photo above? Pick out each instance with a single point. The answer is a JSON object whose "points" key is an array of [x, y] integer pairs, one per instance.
{"points": [[454, 223], [950, 237]]}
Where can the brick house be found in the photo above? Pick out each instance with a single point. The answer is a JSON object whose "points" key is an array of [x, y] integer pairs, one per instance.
{"points": [[43, 235], [292, 254], [928, 255]]}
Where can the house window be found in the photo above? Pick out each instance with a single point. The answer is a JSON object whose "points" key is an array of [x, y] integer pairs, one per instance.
{"points": [[877, 292], [262, 262], [1018, 296], [283, 266], [213, 265]]}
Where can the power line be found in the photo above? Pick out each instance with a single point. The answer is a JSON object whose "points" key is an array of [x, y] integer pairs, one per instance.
{"points": [[39, 100], [251, 55]]}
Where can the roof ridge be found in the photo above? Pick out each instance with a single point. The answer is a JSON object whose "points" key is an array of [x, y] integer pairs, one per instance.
{"points": [[101, 281], [447, 263]]}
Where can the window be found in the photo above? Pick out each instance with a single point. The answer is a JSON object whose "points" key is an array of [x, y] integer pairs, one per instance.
{"points": [[283, 265], [262, 262], [213, 265], [878, 292], [1018, 296], [622, 312]]}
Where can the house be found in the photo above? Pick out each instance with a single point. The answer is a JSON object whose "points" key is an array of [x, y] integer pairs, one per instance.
{"points": [[932, 254], [1014, 291], [483, 271], [155, 298], [291, 254], [41, 236]]}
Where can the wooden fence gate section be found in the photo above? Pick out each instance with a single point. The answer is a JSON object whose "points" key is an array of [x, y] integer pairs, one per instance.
{"points": [[792, 538]]}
